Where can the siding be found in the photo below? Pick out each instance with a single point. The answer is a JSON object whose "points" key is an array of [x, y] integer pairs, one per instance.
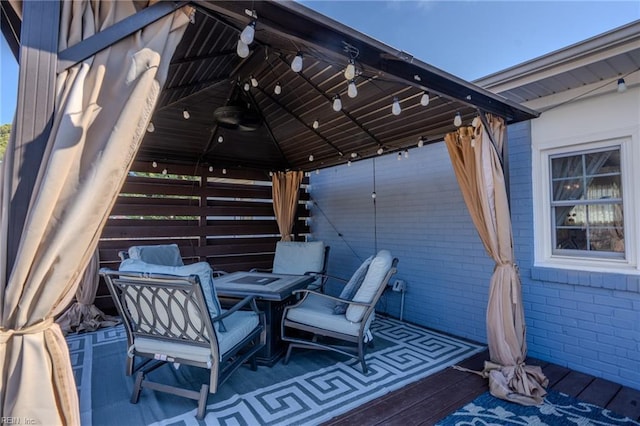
{"points": [[588, 322], [421, 218]]}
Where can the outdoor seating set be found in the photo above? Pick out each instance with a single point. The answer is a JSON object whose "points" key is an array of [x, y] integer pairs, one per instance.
{"points": [[173, 313]]}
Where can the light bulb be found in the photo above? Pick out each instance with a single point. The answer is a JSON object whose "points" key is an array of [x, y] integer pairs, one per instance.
{"points": [[270, 173], [457, 121], [165, 171], [247, 34], [151, 128], [354, 154], [224, 171], [352, 90], [424, 100], [350, 72], [243, 49], [296, 64], [210, 168], [349, 163], [311, 157], [154, 164], [395, 108], [406, 153], [247, 87], [186, 114], [315, 124], [420, 143], [380, 151], [399, 156], [622, 86], [373, 195], [317, 171], [337, 103], [220, 139], [278, 89], [254, 81]]}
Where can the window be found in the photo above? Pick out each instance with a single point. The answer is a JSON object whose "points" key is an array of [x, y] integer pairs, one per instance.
{"points": [[587, 204]]}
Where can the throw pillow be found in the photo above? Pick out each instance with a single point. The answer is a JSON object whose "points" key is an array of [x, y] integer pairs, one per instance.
{"points": [[352, 286]]}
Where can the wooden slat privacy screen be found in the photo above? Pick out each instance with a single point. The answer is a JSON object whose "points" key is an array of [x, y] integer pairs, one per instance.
{"points": [[225, 219]]}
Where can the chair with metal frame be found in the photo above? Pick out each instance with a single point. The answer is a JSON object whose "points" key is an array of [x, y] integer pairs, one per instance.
{"points": [[317, 322], [167, 320]]}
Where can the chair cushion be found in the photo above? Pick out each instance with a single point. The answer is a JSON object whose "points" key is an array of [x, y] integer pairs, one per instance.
{"points": [[167, 254], [298, 257], [352, 286], [376, 273], [316, 311], [239, 324], [201, 269]]}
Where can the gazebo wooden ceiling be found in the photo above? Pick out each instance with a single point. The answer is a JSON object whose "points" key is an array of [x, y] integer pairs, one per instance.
{"points": [[207, 73]]}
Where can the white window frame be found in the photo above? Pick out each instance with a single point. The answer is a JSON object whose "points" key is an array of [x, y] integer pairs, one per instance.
{"points": [[543, 232]]}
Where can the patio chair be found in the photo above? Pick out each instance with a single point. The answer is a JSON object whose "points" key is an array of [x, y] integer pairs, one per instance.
{"points": [[171, 315], [301, 258], [339, 324]]}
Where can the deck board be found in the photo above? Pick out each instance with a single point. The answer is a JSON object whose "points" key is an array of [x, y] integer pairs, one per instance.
{"points": [[429, 400]]}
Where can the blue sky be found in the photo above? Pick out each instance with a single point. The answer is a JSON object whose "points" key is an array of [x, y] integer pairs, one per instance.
{"points": [[470, 38]]}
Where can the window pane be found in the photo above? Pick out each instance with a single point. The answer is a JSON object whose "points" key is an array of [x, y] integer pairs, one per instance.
{"points": [[604, 162], [568, 189], [564, 167], [604, 187], [607, 239], [605, 215]]}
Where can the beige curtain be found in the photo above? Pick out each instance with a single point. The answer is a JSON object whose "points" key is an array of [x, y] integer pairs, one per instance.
{"points": [[83, 315], [102, 108], [285, 200], [479, 172]]}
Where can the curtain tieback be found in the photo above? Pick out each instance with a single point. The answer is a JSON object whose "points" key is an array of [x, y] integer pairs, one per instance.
{"points": [[6, 334]]}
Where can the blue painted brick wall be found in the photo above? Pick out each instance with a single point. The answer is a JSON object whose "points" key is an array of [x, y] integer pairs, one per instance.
{"points": [[589, 322]]}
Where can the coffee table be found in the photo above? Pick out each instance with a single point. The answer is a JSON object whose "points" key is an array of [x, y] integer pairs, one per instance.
{"points": [[273, 293]]}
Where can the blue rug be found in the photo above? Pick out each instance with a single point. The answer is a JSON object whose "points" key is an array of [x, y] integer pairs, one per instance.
{"points": [[557, 409], [314, 387]]}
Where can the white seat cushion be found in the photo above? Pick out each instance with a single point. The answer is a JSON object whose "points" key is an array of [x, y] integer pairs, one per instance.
{"points": [[239, 325], [161, 254], [376, 273], [297, 257], [318, 311], [351, 288]]}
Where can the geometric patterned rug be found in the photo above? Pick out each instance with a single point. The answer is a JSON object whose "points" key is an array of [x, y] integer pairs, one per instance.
{"points": [[314, 387], [557, 409]]}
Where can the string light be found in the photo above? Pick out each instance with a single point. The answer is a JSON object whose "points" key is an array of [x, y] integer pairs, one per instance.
{"points": [[315, 124], [420, 142], [424, 99], [395, 108], [210, 168], [317, 171], [165, 171], [399, 156], [220, 139], [406, 153], [350, 72], [243, 49], [248, 33], [337, 103], [254, 81], [380, 151], [296, 64], [247, 87], [349, 163], [154, 164], [373, 195], [224, 171], [457, 121], [186, 114], [352, 90], [622, 86], [278, 89], [151, 128], [354, 154], [311, 157]]}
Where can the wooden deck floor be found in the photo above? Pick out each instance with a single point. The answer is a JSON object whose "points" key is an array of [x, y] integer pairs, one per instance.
{"points": [[427, 401]]}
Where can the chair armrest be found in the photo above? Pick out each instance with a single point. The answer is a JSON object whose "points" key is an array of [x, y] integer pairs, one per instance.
{"points": [[247, 300], [319, 274], [261, 270], [326, 296]]}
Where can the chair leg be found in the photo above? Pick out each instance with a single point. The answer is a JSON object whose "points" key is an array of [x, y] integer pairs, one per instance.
{"points": [[202, 402], [285, 361], [254, 363], [137, 387]]}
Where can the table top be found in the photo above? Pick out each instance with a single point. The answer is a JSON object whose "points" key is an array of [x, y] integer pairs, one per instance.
{"points": [[263, 285]]}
